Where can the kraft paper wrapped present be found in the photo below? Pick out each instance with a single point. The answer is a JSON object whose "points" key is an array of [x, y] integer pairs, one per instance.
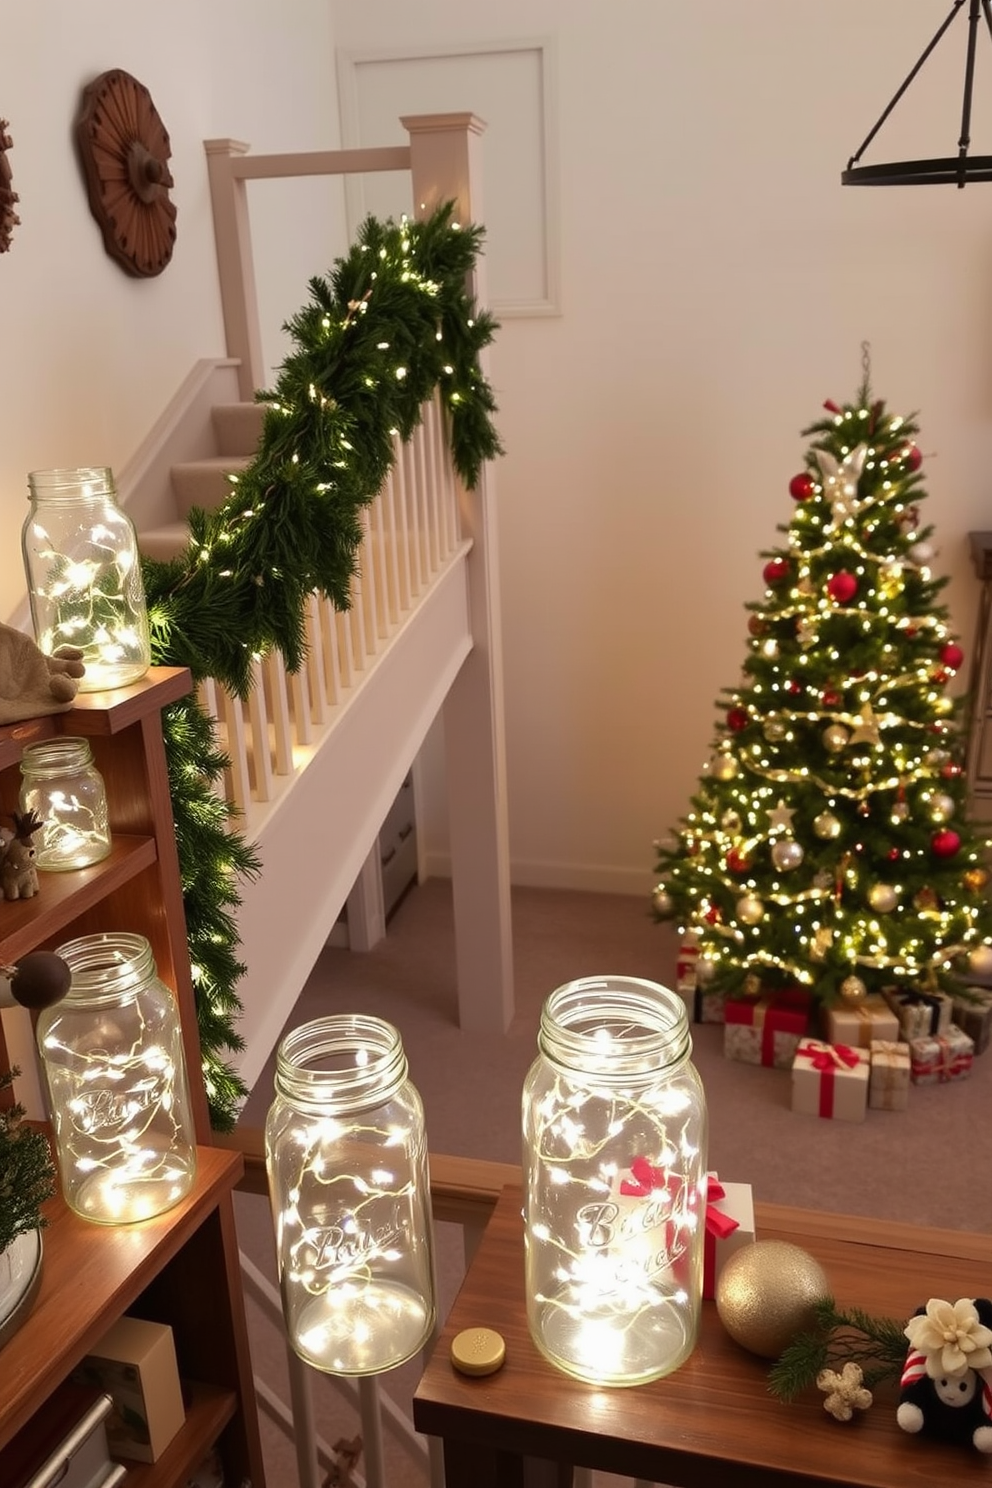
{"points": [[830, 1080], [708, 1007], [729, 1226], [860, 1023], [888, 1076], [936, 1059], [975, 1016], [919, 1013], [766, 1030]]}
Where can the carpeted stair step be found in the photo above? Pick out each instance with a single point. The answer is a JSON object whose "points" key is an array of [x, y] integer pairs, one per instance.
{"points": [[163, 543], [205, 483], [238, 427]]}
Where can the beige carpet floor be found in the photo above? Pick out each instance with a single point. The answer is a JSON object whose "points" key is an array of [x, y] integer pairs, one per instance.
{"points": [[930, 1164]]}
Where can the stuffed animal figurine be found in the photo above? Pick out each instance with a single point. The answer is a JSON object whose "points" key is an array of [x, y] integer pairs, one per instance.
{"points": [[18, 874], [31, 683], [946, 1386]]}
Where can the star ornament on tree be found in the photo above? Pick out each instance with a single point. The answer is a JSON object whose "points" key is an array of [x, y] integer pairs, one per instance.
{"points": [[781, 817], [840, 480], [867, 730]]}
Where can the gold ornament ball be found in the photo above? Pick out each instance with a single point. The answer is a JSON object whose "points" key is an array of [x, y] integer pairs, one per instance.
{"points": [[750, 909], [975, 879], [834, 738], [767, 1293], [705, 970], [826, 826], [883, 898], [723, 767], [752, 985], [980, 960], [853, 990], [775, 730]]}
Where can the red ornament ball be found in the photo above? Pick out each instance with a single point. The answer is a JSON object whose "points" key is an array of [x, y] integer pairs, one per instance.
{"points": [[776, 570], [940, 676], [737, 862], [842, 587], [831, 698], [756, 625], [795, 687], [912, 457], [712, 915], [945, 844], [893, 854], [950, 771], [802, 486], [737, 719], [952, 656]]}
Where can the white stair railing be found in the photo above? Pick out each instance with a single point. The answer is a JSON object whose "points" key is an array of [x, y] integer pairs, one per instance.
{"points": [[411, 535]]}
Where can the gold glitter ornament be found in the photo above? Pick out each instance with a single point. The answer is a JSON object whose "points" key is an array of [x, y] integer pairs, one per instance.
{"points": [[853, 991], [723, 767], [975, 879], [767, 1293], [826, 826], [883, 898], [749, 909]]}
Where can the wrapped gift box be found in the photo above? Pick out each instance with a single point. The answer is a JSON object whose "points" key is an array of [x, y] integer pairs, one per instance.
{"points": [[707, 1007], [862, 1023], [830, 1080], [941, 1057], [766, 1030], [919, 1013], [888, 1076], [974, 1016], [729, 1226], [685, 965]]}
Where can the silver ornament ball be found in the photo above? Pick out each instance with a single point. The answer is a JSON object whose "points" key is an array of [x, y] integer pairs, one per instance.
{"points": [[750, 909], [664, 904], [883, 898], [787, 854], [940, 807], [834, 738]]}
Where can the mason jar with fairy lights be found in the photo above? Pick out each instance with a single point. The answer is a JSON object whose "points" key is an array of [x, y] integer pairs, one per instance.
{"points": [[614, 1158], [84, 575], [346, 1155], [65, 790], [115, 1072]]}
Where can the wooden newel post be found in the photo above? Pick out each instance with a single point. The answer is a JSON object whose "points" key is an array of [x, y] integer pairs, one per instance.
{"points": [[235, 265], [444, 150]]}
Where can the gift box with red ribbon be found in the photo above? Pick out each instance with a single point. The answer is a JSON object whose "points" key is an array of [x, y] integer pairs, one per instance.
{"points": [[936, 1059], [861, 1023], [729, 1226], [766, 1030], [830, 1080]]}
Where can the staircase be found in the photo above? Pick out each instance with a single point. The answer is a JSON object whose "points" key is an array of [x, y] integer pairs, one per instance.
{"points": [[205, 483]]}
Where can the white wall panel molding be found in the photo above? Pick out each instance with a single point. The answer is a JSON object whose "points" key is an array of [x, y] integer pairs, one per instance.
{"points": [[512, 86]]}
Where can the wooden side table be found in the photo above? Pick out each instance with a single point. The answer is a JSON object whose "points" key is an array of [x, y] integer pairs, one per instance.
{"points": [[713, 1421]]}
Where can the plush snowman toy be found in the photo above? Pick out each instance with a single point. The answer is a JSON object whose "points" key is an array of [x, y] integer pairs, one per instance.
{"points": [[946, 1387]]}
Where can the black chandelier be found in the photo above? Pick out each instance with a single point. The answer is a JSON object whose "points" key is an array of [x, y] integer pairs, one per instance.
{"points": [[957, 169]]}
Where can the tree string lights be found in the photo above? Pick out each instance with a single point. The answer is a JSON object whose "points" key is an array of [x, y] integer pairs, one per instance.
{"points": [[391, 324], [828, 844]]}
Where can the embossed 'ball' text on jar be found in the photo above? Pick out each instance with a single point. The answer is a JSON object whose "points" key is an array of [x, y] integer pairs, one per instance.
{"points": [[84, 575], [113, 1061], [614, 1158], [346, 1154]]}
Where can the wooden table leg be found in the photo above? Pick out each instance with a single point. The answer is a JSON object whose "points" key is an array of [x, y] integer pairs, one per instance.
{"points": [[469, 1465]]}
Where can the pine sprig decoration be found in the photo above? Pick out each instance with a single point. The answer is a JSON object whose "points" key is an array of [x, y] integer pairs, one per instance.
{"points": [[390, 325], [27, 1174], [839, 1336]]}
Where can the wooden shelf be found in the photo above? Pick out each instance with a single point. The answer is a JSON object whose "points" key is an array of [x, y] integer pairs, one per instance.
{"points": [[90, 1275], [208, 1410], [63, 897]]}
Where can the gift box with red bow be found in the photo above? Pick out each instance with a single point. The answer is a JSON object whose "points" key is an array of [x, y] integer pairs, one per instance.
{"points": [[766, 1030], [861, 1023], [729, 1225], [942, 1057], [830, 1080]]}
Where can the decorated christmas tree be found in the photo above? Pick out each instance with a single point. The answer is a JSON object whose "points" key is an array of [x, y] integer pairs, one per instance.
{"points": [[828, 845]]}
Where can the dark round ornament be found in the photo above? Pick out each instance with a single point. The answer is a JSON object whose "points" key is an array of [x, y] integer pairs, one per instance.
{"points": [[664, 904], [795, 687], [737, 862], [842, 586], [39, 979], [831, 698], [757, 626], [802, 486], [776, 571], [952, 656], [912, 457], [950, 770], [737, 719], [945, 844]]}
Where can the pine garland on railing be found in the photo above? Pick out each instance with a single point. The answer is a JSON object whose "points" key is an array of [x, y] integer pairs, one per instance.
{"points": [[391, 324]]}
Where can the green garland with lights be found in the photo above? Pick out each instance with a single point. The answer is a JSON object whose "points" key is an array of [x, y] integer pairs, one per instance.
{"points": [[27, 1173], [391, 324]]}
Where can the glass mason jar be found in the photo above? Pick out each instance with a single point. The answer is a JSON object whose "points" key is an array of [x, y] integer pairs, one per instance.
{"points": [[84, 575], [614, 1158], [112, 1056], [347, 1161], [63, 786]]}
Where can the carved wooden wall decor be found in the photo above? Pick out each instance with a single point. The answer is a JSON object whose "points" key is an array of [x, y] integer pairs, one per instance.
{"points": [[8, 196], [125, 149]]}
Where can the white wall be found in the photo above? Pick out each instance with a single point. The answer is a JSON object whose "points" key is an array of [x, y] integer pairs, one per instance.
{"points": [[717, 284], [88, 355]]}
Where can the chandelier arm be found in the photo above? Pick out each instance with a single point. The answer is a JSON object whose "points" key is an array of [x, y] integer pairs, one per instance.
{"points": [[974, 14], [956, 6]]}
